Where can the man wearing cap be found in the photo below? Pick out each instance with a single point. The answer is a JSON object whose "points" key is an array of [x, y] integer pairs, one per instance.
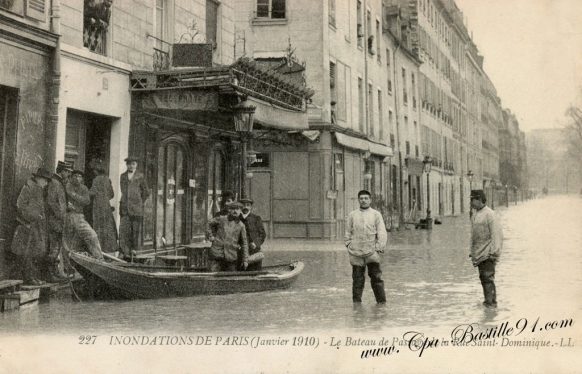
{"points": [[226, 198], [79, 234], [255, 234], [134, 193], [486, 244], [365, 237], [228, 236], [29, 241], [57, 213]]}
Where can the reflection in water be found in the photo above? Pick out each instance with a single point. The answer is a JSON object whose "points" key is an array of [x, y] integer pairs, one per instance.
{"points": [[429, 280]]}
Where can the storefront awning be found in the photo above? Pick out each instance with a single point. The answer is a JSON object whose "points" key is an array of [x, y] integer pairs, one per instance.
{"points": [[363, 145], [269, 115]]}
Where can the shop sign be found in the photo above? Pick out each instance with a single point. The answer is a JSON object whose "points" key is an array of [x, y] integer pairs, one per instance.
{"points": [[181, 100], [261, 161]]}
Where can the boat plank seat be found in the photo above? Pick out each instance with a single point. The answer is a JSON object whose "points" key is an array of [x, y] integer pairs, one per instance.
{"points": [[9, 285], [197, 255], [174, 260], [141, 259]]}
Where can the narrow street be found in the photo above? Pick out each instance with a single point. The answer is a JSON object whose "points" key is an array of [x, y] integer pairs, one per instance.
{"points": [[430, 283]]}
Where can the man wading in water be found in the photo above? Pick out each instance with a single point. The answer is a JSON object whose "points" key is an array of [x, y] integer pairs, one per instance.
{"points": [[366, 236]]}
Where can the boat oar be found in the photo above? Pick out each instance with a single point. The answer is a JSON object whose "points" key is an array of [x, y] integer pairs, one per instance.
{"points": [[113, 258]]}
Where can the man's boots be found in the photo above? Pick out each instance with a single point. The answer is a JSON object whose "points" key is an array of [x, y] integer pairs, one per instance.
{"points": [[377, 282]]}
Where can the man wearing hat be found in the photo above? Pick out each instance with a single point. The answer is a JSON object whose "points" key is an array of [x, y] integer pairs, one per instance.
{"points": [[57, 213], [486, 244], [79, 234], [255, 234], [29, 241], [134, 193], [229, 239]]}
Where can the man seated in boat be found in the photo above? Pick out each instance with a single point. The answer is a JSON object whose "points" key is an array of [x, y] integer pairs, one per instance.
{"points": [[255, 234], [229, 238]]}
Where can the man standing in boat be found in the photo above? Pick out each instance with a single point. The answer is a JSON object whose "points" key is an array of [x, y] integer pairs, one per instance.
{"points": [[228, 236], [134, 193], [57, 213], [79, 234], [365, 237], [486, 244], [255, 234]]}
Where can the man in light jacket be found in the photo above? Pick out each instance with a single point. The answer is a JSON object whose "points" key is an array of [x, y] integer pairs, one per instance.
{"points": [[229, 240], [486, 245], [365, 237]]}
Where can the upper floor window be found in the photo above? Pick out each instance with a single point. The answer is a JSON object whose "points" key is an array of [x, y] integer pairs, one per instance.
{"points": [[211, 22], [96, 16], [271, 9], [360, 26], [331, 16]]}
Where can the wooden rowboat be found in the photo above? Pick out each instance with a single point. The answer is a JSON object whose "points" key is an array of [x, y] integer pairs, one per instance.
{"points": [[135, 281]]}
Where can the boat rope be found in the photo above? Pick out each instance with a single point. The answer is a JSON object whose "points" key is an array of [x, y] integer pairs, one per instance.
{"points": [[76, 297]]}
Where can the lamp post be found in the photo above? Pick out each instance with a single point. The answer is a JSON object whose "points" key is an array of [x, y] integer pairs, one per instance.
{"points": [[506, 196], [243, 124], [427, 166], [470, 176]]}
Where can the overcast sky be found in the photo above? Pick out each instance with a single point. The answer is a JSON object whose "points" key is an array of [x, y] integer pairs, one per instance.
{"points": [[533, 55]]}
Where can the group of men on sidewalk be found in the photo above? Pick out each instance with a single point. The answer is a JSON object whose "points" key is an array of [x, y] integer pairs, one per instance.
{"points": [[366, 238], [51, 221], [49, 224]]}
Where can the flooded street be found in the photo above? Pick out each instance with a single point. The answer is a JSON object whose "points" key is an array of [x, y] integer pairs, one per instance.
{"points": [[428, 276]]}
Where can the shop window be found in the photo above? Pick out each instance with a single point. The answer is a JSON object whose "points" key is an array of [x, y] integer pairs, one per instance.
{"points": [[216, 181], [171, 195], [338, 172], [370, 176], [96, 17]]}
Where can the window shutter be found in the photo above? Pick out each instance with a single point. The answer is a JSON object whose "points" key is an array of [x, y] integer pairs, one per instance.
{"points": [[36, 9]]}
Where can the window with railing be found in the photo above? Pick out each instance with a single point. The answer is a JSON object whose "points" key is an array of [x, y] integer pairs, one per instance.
{"points": [[96, 16]]}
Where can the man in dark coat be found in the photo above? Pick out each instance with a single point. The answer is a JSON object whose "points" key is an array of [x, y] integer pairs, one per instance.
{"points": [[79, 234], [57, 213], [29, 241], [255, 234], [134, 193]]}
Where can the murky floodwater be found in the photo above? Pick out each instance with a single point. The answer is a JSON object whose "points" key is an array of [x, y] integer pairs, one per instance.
{"points": [[429, 279]]}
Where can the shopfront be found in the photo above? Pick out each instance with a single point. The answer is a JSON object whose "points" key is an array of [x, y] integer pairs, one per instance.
{"points": [[191, 149], [25, 74]]}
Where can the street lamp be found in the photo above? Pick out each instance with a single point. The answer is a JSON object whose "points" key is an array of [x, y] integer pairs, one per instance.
{"points": [[243, 125], [506, 196], [427, 166]]}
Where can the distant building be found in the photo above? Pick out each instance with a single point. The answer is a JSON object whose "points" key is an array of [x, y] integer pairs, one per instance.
{"points": [[549, 165]]}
